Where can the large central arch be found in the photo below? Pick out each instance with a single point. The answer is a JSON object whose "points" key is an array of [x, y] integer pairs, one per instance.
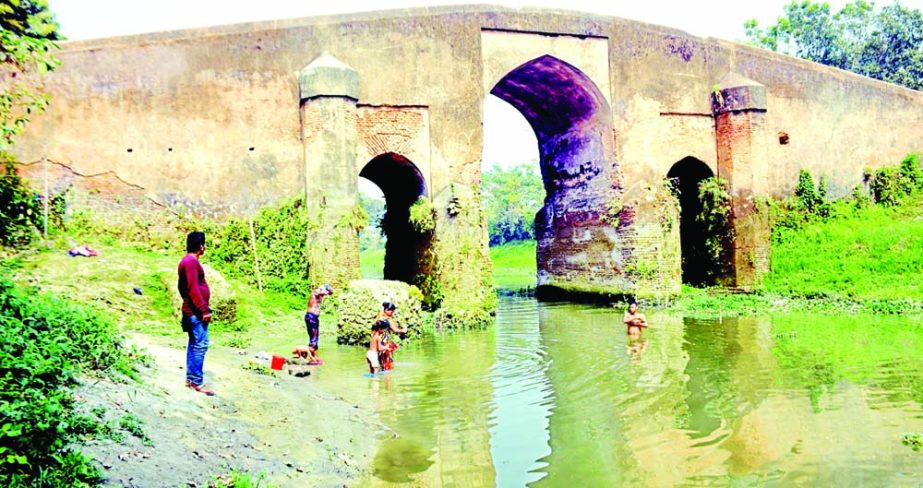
{"points": [[576, 242]]}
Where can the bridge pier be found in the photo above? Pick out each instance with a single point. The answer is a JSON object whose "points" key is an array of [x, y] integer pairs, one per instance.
{"points": [[329, 92], [739, 106]]}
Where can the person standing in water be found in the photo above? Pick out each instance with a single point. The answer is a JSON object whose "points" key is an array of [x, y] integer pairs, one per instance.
{"points": [[389, 324], [634, 320], [375, 346], [312, 321]]}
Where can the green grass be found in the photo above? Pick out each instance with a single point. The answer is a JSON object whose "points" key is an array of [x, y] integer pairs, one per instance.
{"points": [[514, 265], [372, 263], [869, 254]]}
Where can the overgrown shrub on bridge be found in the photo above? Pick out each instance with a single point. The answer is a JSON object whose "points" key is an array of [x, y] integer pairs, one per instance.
{"points": [[359, 304], [280, 249]]}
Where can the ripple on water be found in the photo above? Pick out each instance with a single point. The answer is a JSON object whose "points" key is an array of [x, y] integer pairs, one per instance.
{"points": [[555, 392]]}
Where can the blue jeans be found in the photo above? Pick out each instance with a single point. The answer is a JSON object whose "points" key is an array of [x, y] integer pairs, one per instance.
{"points": [[195, 351]]}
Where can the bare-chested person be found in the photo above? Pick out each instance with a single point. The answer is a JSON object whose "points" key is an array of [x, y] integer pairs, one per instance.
{"points": [[375, 347], [312, 321], [634, 320]]}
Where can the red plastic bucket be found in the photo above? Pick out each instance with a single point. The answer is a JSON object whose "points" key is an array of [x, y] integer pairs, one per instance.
{"points": [[277, 362]]}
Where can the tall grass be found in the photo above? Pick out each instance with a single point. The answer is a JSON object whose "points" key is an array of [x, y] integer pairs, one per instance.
{"points": [[869, 253]]}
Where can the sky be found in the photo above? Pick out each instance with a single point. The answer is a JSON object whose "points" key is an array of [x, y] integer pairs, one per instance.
{"points": [[507, 136], [86, 19]]}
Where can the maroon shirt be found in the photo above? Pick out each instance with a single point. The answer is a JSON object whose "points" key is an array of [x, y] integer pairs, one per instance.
{"points": [[193, 287]]}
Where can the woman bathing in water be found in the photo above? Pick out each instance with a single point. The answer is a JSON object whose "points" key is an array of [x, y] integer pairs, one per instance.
{"points": [[388, 324], [634, 320]]}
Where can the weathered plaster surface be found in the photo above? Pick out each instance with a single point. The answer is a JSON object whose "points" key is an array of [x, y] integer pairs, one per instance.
{"points": [[212, 120]]}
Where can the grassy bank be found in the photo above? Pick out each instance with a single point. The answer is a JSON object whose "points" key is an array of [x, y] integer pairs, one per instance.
{"points": [[874, 253], [47, 342], [132, 421], [514, 265]]}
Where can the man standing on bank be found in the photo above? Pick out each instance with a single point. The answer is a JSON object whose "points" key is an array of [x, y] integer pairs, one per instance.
{"points": [[196, 312], [312, 321]]}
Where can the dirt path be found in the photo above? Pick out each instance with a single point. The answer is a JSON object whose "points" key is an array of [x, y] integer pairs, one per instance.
{"points": [[281, 425]]}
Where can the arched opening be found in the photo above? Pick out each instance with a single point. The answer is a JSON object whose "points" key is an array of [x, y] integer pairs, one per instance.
{"points": [[576, 246], [402, 184], [372, 239], [698, 266], [512, 193]]}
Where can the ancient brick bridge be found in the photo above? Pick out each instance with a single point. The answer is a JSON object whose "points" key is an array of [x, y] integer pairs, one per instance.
{"points": [[224, 120]]}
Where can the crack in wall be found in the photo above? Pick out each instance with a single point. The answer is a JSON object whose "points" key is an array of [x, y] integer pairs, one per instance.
{"points": [[103, 174]]}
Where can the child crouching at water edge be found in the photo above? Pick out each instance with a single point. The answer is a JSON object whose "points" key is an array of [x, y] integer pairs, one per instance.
{"points": [[375, 346]]}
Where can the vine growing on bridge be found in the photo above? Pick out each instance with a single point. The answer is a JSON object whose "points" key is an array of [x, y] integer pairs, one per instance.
{"points": [[715, 218]]}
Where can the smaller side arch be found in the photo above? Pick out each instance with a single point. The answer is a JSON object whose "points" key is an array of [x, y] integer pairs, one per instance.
{"points": [[402, 183], [698, 265]]}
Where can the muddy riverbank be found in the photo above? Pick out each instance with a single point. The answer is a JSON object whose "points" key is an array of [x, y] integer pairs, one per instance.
{"points": [[279, 425]]}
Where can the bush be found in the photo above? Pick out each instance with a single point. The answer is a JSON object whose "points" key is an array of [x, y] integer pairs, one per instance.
{"points": [[892, 184], [21, 209], [808, 204], [715, 221], [811, 198], [358, 306], [45, 342], [423, 215], [461, 319], [281, 244]]}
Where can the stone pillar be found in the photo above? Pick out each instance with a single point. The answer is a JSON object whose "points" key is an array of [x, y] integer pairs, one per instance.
{"points": [[739, 106], [329, 92]]}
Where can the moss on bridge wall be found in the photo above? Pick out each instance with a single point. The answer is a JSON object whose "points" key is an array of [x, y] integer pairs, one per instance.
{"points": [[653, 269], [462, 272]]}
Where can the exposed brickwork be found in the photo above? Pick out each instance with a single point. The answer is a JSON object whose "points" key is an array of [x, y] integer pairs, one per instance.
{"points": [[201, 120], [398, 130], [741, 135]]}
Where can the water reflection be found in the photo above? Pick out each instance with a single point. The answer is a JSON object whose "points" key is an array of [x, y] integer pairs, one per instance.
{"points": [[438, 413], [523, 397], [558, 395]]}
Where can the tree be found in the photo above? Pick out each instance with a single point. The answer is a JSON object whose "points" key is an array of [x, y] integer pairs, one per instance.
{"points": [[886, 45], [28, 33], [372, 236], [511, 197]]}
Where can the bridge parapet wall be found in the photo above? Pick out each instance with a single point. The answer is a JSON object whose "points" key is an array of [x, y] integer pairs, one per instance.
{"points": [[212, 121]]}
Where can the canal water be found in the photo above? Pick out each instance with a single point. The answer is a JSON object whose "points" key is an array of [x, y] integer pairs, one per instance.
{"points": [[557, 395]]}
